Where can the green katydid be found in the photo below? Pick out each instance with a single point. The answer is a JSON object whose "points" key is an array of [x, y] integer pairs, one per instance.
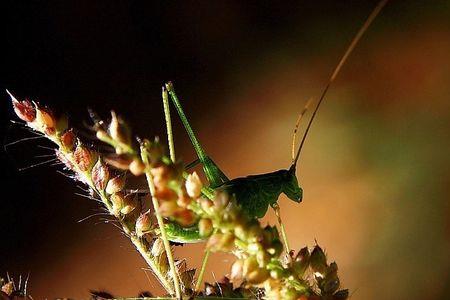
{"points": [[254, 193]]}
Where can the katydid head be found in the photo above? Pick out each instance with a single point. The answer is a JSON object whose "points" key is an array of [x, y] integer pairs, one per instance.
{"points": [[291, 187]]}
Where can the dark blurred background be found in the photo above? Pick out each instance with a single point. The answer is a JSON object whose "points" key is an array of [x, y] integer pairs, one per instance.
{"points": [[375, 169]]}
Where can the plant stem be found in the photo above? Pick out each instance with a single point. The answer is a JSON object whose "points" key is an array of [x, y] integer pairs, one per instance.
{"points": [[202, 271], [276, 208], [162, 229]]}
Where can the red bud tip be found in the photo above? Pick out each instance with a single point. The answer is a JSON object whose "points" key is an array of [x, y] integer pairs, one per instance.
{"points": [[23, 109]]}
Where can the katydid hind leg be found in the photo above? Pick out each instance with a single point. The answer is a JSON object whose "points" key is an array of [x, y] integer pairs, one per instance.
{"points": [[213, 173]]}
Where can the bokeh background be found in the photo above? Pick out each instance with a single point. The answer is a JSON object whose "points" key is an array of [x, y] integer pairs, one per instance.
{"points": [[375, 169]]}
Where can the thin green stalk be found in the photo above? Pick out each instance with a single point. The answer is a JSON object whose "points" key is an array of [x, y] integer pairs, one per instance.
{"points": [[202, 271], [165, 97], [160, 220]]}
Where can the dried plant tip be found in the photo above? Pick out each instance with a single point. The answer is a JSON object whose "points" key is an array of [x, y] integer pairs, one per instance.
{"points": [[8, 288], [205, 227], [84, 158], [100, 175], [301, 262], [68, 140], [194, 185], [118, 130], [137, 167], [318, 261], [115, 184], [157, 247], [143, 224], [129, 204], [23, 109]]}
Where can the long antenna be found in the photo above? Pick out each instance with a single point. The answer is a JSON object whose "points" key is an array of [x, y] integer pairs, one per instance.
{"points": [[349, 50]]}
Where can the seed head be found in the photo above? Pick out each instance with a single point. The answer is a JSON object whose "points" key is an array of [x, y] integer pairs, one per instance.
{"points": [[100, 175], [194, 185], [68, 140], [115, 184], [143, 224], [45, 120], [158, 247], [83, 157], [23, 109], [137, 167], [118, 203], [205, 227], [129, 204]]}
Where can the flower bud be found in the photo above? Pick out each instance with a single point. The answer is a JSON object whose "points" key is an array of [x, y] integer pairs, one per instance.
{"points": [[137, 167], [194, 185], [68, 140], [168, 208], [185, 217], [8, 288], [100, 175], [143, 224], [237, 269], [129, 204], [258, 276], [220, 242], [157, 247], [118, 203], [62, 158], [205, 227], [118, 130], [45, 120], [206, 204], [84, 158], [115, 184], [121, 162], [23, 109]]}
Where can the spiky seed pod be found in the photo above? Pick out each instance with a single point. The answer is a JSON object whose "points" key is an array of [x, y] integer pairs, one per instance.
{"points": [[143, 224], [24, 109], [318, 261], [137, 167], [194, 185], [100, 175], [68, 140], [157, 247], [115, 184], [205, 227], [84, 158], [129, 203]]}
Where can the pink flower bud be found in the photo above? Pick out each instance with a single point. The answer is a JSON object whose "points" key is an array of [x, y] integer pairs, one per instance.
{"points": [[115, 184], [137, 167], [100, 175], [194, 185], [68, 139], [84, 158], [143, 224], [45, 120], [23, 109]]}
